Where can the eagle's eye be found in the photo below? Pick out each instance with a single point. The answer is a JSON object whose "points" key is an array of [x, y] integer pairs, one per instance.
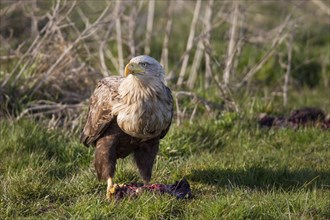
{"points": [[144, 64]]}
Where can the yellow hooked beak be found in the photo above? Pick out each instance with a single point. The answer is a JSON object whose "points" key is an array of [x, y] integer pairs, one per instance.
{"points": [[133, 68]]}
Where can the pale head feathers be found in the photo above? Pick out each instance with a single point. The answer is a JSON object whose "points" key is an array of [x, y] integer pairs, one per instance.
{"points": [[151, 66]]}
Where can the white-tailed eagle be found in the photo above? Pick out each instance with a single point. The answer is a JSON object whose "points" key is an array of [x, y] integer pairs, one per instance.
{"points": [[129, 115]]}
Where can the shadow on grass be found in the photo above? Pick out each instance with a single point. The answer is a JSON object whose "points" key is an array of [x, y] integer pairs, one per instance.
{"points": [[263, 178]]}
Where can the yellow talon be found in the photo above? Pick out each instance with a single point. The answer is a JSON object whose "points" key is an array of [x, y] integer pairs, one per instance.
{"points": [[111, 191]]}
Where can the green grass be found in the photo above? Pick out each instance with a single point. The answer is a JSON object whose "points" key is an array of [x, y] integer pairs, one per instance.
{"points": [[236, 171]]}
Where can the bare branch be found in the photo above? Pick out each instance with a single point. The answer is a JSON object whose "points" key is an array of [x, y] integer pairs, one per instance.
{"points": [[322, 6], [103, 45], [42, 109], [232, 44], [196, 63], [165, 51], [200, 48], [150, 20], [225, 93], [288, 70], [118, 37], [189, 42], [131, 29], [208, 68]]}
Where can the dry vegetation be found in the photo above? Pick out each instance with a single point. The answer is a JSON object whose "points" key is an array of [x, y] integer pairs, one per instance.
{"points": [[53, 52]]}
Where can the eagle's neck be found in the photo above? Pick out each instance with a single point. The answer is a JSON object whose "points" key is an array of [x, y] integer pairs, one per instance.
{"points": [[133, 89]]}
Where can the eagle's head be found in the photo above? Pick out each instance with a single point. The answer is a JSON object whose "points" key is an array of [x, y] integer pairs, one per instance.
{"points": [[144, 68]]}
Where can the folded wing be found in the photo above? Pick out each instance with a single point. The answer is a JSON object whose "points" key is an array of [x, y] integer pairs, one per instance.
{"points": [[100, 109]]}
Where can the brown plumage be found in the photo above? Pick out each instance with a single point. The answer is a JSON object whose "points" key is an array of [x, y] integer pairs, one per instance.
{"points": [[129, 115]]}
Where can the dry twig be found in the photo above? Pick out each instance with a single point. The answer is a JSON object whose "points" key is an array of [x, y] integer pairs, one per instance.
{"points": [[288, 70], [150, 21], [189, 42], [119, 37], [208, 68], [232, 44], [165, 51]]}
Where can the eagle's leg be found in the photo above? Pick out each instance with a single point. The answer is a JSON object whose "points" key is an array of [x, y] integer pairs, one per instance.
{"points": [[105, 161], [110, 188], [144, 157]]}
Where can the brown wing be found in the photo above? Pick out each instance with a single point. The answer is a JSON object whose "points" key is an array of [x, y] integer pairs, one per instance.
{"points": [[100, 109], [169, 99]]}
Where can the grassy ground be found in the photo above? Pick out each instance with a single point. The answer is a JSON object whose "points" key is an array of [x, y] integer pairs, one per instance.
{"points": [[236, 171]]}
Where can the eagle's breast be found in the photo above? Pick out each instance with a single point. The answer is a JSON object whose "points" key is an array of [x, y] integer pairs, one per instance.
{"points": [[143, 111]]}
